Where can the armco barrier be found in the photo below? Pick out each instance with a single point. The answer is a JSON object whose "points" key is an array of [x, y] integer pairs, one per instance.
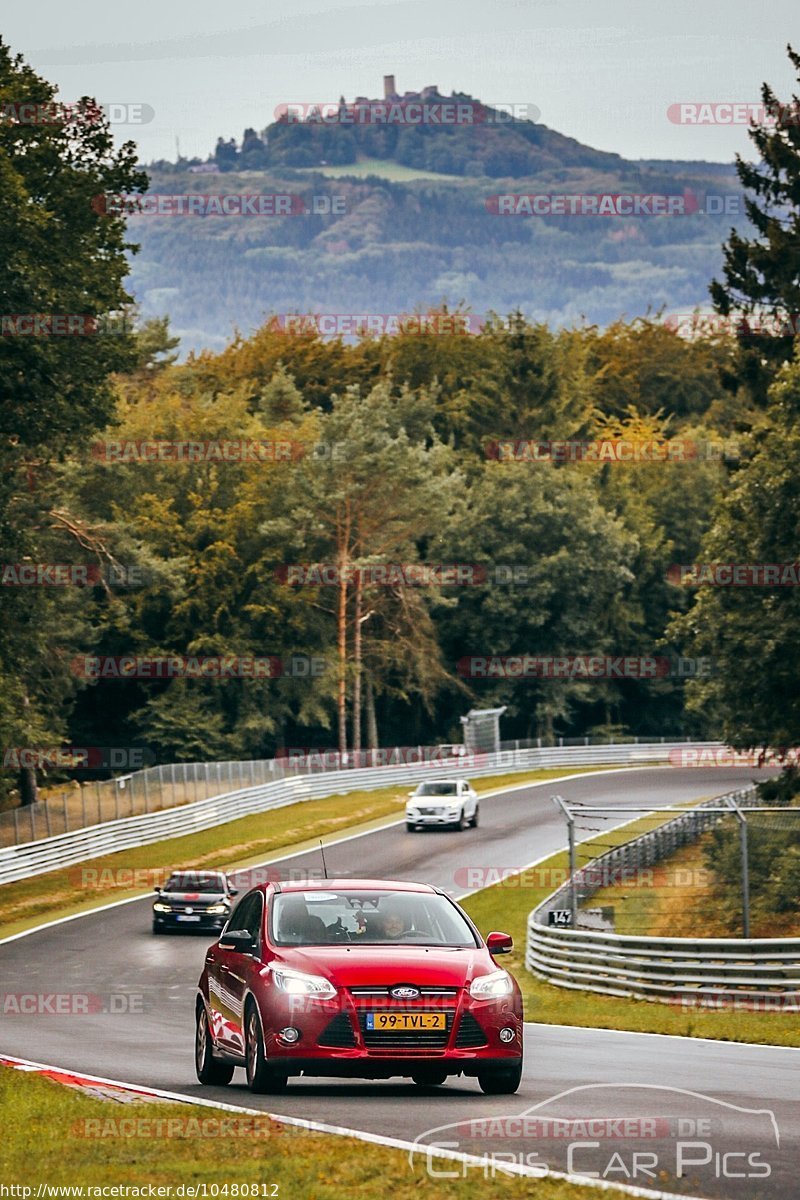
{"points": [[691, 972], [34, 858]]}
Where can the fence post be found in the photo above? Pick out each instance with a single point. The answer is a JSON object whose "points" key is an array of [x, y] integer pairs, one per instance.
{"points": [[16, 826], [146, 792], [47, 817], [66, 812], [745, 867]]}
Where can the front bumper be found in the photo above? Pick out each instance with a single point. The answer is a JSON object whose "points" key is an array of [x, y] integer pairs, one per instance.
{"points": [[373, 1068], [443, 817], [175, 920], [334, 1039]]}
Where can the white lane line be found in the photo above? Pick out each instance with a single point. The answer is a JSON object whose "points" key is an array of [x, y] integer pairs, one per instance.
{"points": [[680, 1037], [375, 1139], [351, 837]]}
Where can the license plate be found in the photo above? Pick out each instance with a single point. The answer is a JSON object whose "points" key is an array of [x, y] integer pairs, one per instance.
{"points": [[183, 917], [404, 1022]]}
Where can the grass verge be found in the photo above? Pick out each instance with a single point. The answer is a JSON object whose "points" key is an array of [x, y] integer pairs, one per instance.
{"points": [[237, 844], [55, 1136], [506, 906]]}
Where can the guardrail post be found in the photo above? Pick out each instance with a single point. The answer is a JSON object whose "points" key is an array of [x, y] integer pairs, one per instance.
{"points": [[66, 812], [573, 895]]}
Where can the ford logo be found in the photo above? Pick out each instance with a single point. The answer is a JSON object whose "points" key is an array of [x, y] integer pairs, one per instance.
{"points": [[404, 992]]}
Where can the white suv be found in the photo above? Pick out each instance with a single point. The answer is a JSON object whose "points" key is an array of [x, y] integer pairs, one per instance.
{"points": [[442, 802]]}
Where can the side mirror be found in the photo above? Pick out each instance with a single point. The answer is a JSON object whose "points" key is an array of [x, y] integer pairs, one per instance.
{"points": [[238, 939], [157, 891], [499, 943], [233, 891], [411, 795]]}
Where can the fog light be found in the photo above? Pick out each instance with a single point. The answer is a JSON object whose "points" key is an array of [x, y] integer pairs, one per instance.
{"points": [[290, 1035], [507, 1035]]}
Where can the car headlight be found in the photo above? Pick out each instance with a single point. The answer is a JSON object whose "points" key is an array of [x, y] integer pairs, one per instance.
{"points": [[297, 983], [217, 908], [162, 908], [487, 987]]}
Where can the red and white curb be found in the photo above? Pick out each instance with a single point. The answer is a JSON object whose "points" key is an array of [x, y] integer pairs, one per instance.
{"points": [[129, 1093]]}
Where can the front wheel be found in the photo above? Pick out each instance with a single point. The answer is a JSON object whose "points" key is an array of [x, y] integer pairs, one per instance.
{"points": [[261, 1078], [208, 1069], [461, 823], [411, 827], [501, 1081], [474, 821]]}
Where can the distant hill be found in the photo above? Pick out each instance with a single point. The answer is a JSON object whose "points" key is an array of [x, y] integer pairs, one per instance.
{"points": [[415, 224]]}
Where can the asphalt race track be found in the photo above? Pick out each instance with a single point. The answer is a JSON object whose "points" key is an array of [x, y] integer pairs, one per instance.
{"points": [[728, 1112]]}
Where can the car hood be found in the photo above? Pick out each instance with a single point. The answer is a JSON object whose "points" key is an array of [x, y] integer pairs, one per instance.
{"points": [[435, 801], [384, 966]]}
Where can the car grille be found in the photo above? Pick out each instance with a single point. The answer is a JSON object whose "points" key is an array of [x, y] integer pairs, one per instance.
{"points": [[339, 1033], [384, 991], [420, 1039], [469, 1033]]}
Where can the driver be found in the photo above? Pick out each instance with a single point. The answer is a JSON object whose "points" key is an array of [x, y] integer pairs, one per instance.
{"points": [[395, 922]]}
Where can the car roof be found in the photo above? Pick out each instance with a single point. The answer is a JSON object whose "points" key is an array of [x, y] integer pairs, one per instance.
{"points": [[353, 885]]}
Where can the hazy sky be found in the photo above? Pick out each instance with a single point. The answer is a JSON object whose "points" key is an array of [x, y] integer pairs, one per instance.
{"points": [[604, 72]]}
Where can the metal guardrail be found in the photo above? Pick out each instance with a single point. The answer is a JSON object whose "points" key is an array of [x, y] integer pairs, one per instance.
{"points": [[686, 971], [168, 785], [61, 850]]}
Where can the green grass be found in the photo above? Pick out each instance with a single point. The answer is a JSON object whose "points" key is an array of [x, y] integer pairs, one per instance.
{"points": [[382, 167], [506, 906], [237, 844], [53, 1135]]}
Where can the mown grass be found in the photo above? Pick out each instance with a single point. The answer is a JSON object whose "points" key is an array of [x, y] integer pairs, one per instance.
{"points": [[55, 1136], [506, 906], [237, 844]]}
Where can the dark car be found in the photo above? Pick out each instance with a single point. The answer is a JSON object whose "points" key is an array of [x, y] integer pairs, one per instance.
{"points": [[358, 978], [193, 900]]}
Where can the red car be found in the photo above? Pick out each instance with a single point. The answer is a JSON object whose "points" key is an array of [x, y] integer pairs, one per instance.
{"points": [[357, 978]]}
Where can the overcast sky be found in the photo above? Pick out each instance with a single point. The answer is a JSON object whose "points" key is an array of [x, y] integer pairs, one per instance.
{"points": [[604, 72]]}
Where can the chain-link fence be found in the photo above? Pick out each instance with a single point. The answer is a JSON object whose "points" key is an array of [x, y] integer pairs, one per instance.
{"points": [[78, 806]]}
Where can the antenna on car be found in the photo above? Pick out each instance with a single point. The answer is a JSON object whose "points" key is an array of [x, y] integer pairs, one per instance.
{"points": [[322, 852]]}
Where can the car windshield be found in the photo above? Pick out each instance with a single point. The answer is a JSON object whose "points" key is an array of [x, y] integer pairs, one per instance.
{"points": [[364, 918], [437, 789], [195, 881]]}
